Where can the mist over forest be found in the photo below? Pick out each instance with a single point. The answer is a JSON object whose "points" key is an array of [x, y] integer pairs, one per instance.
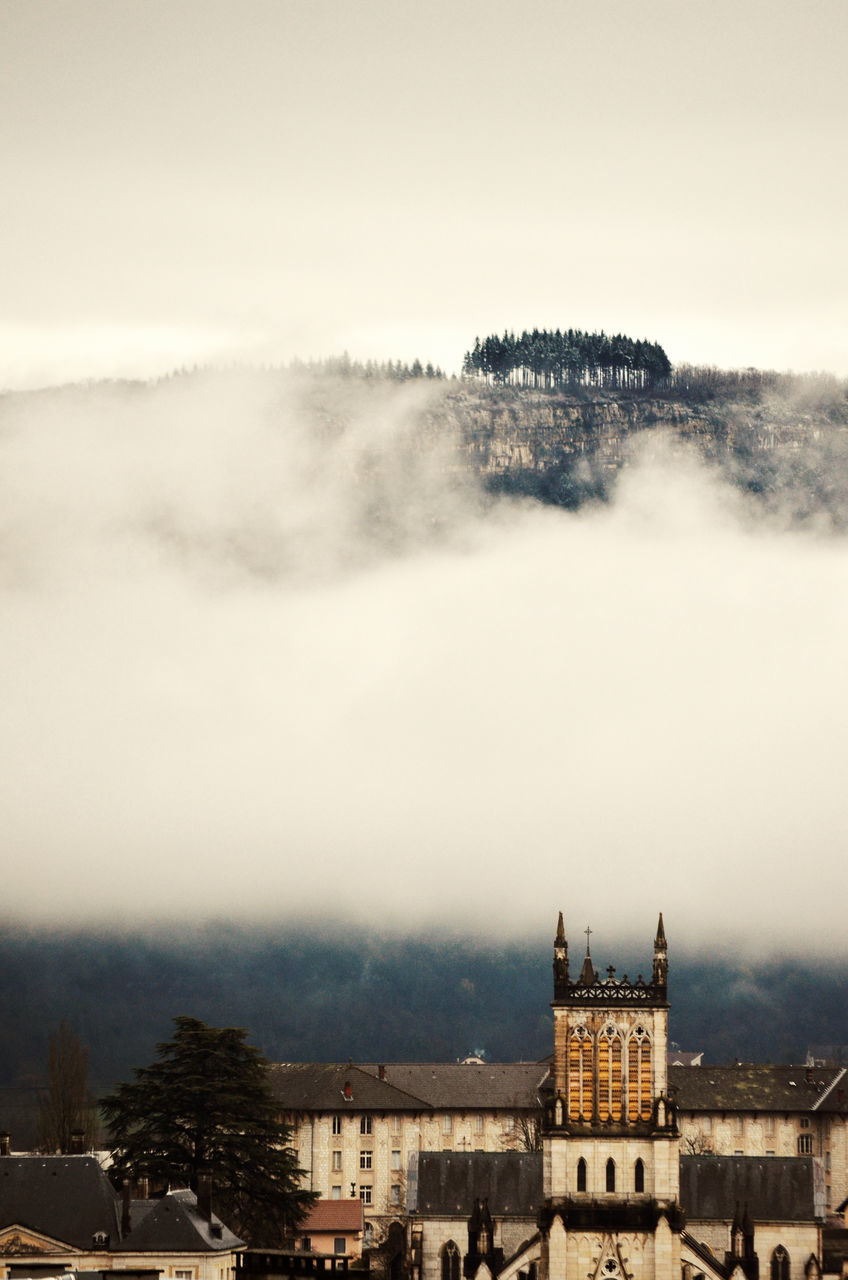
{"points": [[383, 668]]}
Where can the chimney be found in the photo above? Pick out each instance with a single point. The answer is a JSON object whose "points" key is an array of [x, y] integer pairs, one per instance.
{"points": [[808, 1075], [77, 1143], [381, 1071], [5, 1144], [126, 1219], [204, 1194]]}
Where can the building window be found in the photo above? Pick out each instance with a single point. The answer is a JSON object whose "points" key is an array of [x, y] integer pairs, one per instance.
{"points": [[609, 1074], [509, 1124], [581, 1174], [339, 1244], [738, 1124], [447, 1124], [368, 1235], [337, 1124], [805, 1144], [365, 1195], [780, 1264], [768, 1125], [805, 1122], [706, 1124], [639, 1177], [364, 1124], [580, 1075], [396, 1159], [336, 1192], [305, 1244], [450, 1261], [610, 1174], [478, 1124], [365, 1159], [639, 1101], [394, 1193], [396, 1122], [337, 1160]]}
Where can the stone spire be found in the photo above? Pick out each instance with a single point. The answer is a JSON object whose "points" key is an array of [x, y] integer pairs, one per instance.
{"points": [[588, 977], [560, 958], [660, 972]]}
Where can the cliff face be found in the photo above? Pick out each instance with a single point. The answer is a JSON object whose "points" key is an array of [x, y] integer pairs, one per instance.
{"points": [[527, 431]]}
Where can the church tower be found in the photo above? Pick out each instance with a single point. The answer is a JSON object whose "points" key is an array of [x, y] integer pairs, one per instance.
{"points": [[610, 1136]]}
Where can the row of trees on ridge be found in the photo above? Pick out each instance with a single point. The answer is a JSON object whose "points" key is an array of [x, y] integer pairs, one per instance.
{"points": [[568, 358]]}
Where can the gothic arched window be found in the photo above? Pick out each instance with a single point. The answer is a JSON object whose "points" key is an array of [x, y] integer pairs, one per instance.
{"points": [[780, 1264], [639, 1176], [639, 1075], [580, 1075], [609, 1074], [581, 1174], [610, 1174], [450, 1261]]}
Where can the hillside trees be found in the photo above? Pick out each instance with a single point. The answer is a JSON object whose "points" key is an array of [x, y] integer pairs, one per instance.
{"points": [[206, 1104], [542, 359]]}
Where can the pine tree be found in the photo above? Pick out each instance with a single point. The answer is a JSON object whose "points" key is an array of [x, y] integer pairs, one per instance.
{"points": [[206, 1103]]}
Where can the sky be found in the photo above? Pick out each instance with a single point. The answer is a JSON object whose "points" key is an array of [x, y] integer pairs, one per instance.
{"points": [[234, 683], [194, 181]]}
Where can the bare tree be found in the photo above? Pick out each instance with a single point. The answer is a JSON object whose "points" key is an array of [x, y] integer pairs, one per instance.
{"points": [[66, 1107], [697, 1144]]}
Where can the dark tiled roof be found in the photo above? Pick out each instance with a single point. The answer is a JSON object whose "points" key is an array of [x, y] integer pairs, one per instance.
{"points": [[756, 1087], [67, 1198], [495, 1085], [449, 1182], [174, 1224], [320, 1086], [775, 1188]]}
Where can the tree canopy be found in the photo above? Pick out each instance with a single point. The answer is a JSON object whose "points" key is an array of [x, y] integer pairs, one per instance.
{"points": [[206, 1104], [65, 1108], [568, 357]]}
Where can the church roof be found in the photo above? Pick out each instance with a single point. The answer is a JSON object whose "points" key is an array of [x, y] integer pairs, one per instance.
{"points": [[757, 1087], [494, 1085], [408, 1086], [773, 1188], [68, 1198], [449, 1182]]}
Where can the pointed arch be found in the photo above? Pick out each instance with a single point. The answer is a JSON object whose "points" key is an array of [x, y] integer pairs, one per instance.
{"points": [[450, 1260], [580, 1074], [581, 1174], [639, 1175], [779, 1263], [610, 1174], [609, 1074], [639, 1075]]}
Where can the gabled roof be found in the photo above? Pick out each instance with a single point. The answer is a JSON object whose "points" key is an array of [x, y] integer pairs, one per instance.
{"points": [[448, 1182], [334, 1215], [174, 1224], [469, 1085], [756, 1087], [68, 1198], [320, 1086], [774, 1188]]}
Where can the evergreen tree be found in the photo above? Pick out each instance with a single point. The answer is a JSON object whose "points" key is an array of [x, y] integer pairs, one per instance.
{"points": [[206, 1103]]}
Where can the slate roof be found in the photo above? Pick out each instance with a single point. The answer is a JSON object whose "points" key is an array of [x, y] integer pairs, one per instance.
{"points": [[775, 1188], [448, 1182], [334, 1215], [319, 1086], [67, 1198], [759, 1087], [174, 1224], [469, 1085]]}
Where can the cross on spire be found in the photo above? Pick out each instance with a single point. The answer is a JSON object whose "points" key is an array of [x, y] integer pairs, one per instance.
{"points": [[587, 931]]}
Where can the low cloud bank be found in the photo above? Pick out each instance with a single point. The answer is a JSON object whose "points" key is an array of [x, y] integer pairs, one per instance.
{"points": [[268, 653]]}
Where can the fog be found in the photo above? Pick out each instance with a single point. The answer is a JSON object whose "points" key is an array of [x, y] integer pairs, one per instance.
{"points": [[269, 653]]}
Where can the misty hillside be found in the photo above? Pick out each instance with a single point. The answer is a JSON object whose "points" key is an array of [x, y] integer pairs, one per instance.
{"points": [[348, 994]]}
